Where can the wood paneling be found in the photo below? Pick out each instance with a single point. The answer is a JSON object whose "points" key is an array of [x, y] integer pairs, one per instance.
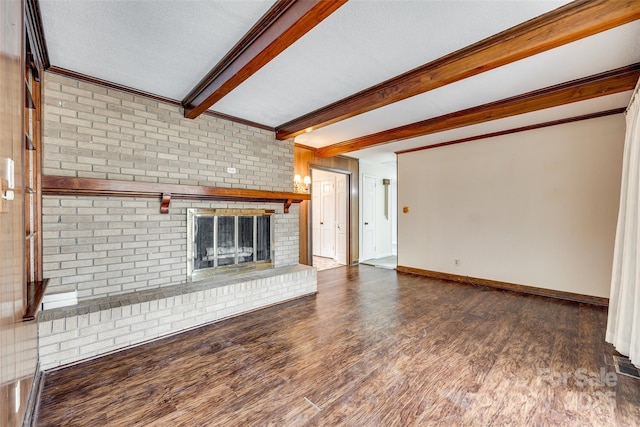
{"points": [[283, 24], [373, 348], [532, 290], [304, 157], [566, 24], [516, 130], [71, 186], [607, 83], [18, 340]]}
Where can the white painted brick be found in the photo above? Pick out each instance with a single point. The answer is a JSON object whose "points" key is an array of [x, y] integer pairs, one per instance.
{"points": [[147, 324], [90, 349], [130, 338], [158, 331], [115, 332], [59, 357], [204, 147], [160, 314], [59, 337], [46, 350], [78, 342], [129, 320], [57, 326]]}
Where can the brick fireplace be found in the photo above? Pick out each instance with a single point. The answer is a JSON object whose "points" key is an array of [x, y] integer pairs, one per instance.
{"points": [[126, 260]]}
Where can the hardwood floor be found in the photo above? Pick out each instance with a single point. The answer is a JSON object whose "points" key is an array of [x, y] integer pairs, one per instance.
{"points": [[374, 347]]}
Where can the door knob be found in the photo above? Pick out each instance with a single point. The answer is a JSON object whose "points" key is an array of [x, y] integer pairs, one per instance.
{"points": [[321, 222], [366, 223]]}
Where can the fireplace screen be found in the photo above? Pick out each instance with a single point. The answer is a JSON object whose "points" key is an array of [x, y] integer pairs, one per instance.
{"points": [[227, 239]]}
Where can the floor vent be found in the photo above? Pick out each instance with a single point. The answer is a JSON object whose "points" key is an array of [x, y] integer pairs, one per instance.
{"points": [[625, 367]]}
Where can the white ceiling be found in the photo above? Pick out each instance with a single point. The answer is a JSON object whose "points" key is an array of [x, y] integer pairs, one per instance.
{"points": [[364, 43], [165, 47]]}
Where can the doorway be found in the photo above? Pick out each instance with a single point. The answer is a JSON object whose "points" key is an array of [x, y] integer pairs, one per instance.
{"points": [[378, 214], [329, 218]]}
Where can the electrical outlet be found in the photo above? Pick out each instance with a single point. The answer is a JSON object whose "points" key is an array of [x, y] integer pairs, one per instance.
{"points": [[232, 170], [456, 262]]}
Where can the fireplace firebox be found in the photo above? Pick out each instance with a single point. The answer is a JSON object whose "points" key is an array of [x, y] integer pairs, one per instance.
{"points": [[228, 241]]}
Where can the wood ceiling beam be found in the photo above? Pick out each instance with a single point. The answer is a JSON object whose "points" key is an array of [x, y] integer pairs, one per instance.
{"points": [[516, 130], [607, 83], [564, 25], [279, 28]]}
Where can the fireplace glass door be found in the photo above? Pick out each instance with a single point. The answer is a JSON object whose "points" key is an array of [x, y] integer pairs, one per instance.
{"points": [[218, 240]]}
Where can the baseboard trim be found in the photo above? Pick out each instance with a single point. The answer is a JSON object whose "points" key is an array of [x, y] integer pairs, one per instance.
{"points": [[33, 403], [523, 289]]}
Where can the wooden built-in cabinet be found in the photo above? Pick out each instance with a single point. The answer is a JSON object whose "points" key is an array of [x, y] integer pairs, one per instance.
{"points": [[34, 282]]}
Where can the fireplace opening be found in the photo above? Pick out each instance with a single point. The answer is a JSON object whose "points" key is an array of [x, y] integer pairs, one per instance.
{"points": [[228, 241]]}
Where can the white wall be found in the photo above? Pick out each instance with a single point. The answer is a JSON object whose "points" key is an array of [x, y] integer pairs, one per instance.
{"points": [[536, 208], [385, 227]]}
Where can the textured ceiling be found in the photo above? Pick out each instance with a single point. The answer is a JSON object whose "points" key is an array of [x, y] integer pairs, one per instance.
{"points": [[616, 48], [165, 47], [385, 153], [364, 43]]}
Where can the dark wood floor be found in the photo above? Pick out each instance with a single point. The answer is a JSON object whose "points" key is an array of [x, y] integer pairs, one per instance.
{"points": [[373, 348]]}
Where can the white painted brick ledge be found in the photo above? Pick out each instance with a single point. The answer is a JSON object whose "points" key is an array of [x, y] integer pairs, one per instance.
{"points": [[99, 326]]}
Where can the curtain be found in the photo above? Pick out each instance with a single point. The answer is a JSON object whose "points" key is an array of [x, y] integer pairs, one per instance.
{"points": [[623, 324]]}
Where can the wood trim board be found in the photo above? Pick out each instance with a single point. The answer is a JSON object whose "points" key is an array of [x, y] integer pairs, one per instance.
{"points": [[532, 290], [279, 28], [574, 21], [71, 186], [516, 130], [602, 84]]}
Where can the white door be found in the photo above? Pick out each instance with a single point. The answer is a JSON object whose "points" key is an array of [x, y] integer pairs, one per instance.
{"points": [[341, 220], [368, 217], [316, 215], [328, 219]]}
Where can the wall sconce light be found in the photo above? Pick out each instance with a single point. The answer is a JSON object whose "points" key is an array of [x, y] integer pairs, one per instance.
{"points": [[301, 185]]}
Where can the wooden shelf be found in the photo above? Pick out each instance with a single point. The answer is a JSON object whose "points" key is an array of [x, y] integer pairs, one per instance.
{"points": [[71, 186], [28, 143], [34, 298], [28, 99]]}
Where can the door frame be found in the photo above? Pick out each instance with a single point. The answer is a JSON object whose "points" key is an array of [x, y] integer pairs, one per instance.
{"points": [[363, 177], [348, 206]]}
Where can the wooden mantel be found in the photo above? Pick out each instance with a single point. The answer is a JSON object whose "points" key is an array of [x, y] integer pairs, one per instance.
{"points": [[71, 186]]}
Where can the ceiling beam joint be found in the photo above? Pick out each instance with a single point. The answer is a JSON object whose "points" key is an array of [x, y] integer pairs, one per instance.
{"points": [[285, 23], [574, 21], [602, 84]]}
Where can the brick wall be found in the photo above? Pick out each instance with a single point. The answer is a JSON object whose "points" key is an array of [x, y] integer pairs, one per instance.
{"points": [[92, 328], [103, 246]]}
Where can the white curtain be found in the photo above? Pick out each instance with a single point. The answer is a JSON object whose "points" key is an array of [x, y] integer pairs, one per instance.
{"points": [[623, 325]]}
